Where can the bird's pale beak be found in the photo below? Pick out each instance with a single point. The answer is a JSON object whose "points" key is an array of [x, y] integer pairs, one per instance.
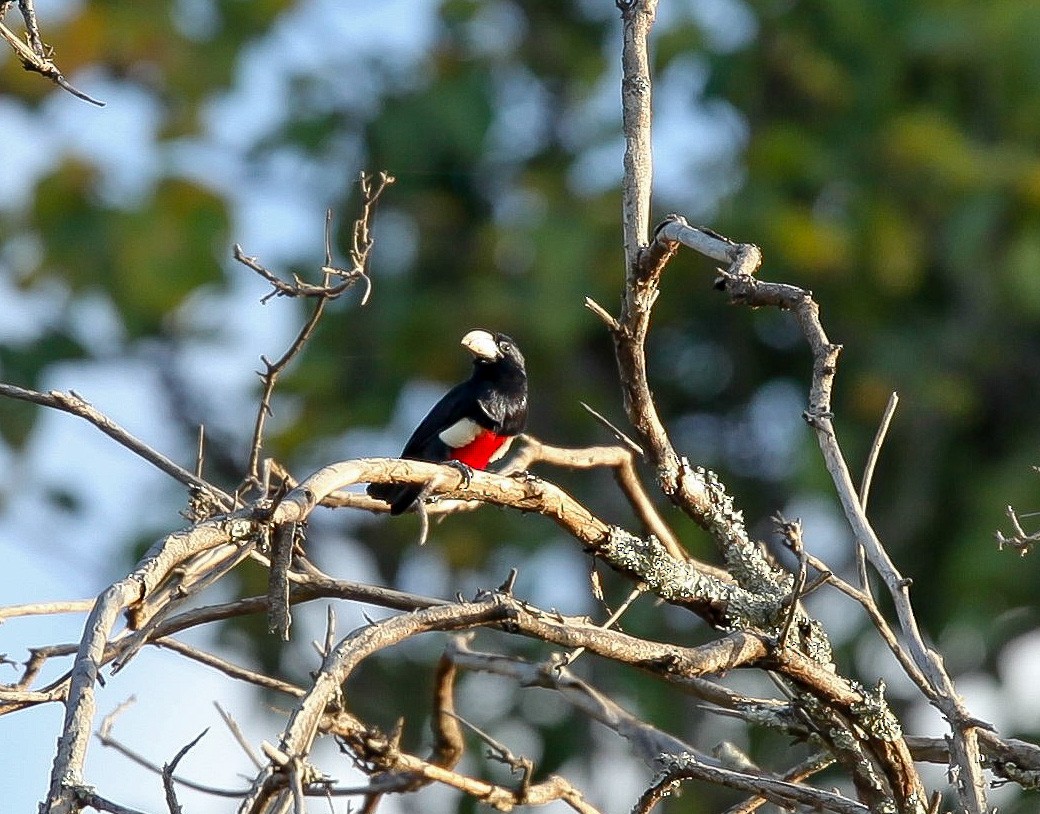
{"points": [[482, 345]]}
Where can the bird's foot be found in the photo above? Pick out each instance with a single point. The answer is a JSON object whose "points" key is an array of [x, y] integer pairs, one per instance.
{"points": [[464, 469]]}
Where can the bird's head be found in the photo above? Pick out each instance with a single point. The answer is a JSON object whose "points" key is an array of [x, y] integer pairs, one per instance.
{"points": [[489, 348]]}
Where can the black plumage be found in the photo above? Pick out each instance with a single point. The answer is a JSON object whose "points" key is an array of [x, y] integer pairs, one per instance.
{"points": [[474, 422]]}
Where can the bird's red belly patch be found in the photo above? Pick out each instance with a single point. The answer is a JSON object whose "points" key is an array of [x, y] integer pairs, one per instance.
{"points": [[483, 449]]}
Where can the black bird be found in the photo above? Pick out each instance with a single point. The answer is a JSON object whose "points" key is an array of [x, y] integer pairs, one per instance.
{"points": [[475, 422]]}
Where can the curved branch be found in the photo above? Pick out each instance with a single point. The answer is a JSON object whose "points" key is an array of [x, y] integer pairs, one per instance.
{"points": [[744, 289], [648, 741], [67, 771], [622, 461], [681, 582], [781, 792], [310, 716]]}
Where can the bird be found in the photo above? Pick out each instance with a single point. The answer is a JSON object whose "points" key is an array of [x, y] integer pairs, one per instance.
{"points": [[474, 423]]}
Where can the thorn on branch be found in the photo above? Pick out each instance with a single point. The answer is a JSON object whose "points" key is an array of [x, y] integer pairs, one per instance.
{"points": [[605, 316], [507, 586], [168, 770], [36, 57], [817, 420]]}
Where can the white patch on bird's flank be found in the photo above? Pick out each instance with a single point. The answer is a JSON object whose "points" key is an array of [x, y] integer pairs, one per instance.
{"points": [[482, 344], [461, 433]]}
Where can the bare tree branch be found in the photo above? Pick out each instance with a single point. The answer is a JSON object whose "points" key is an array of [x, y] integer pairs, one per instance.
{"points": [[372, 749], [648, 741], [875, 449], [74, 404], [742, 288], [104, 736], [226, 667], [753, 606], [236, 732], [45, 608], [335, 282], [780, 792]]}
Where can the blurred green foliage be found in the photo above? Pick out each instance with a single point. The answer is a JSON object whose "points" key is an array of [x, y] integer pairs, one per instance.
{"points": [[891, 165]]}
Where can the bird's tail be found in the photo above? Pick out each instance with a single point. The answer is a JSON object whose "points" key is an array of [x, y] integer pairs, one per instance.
{"points": [[399, 496]]}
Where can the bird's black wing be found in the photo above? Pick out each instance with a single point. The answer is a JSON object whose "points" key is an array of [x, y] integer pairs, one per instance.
{"points": [[458, 403], [425, 443]]}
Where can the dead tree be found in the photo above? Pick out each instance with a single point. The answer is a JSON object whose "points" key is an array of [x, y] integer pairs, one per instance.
{"points": [[753, 604]]}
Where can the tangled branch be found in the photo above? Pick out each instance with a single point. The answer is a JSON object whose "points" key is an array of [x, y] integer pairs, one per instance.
{"points": [[753, 608]]}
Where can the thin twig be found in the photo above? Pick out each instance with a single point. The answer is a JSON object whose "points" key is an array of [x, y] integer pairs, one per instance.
{"points": [[72, 403], [330, 630], [868, 476], [238, 735], [780, 792], [228, 668], [200, 454], [500, 752], [617, 433], [877, 619], [33, 59], [45, 608], [648, 741], [875, 448], [1020, 540], [361, 239], [269, 377], [327, 291], [168, 770], [791, 534], [104, 735], [612, 620]]}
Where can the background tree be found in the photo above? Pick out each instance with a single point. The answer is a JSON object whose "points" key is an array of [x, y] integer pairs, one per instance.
{"points": [[500, 122]]}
